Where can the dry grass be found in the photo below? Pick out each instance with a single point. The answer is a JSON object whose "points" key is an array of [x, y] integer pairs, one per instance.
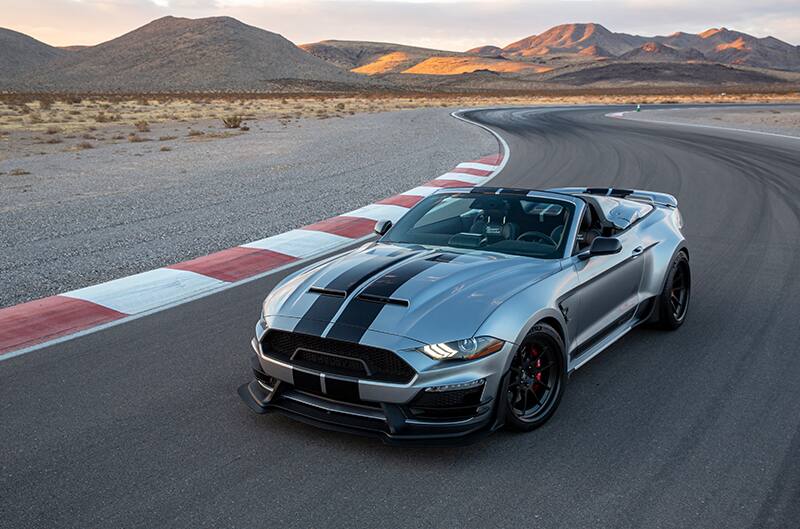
{"points": [[76, 116], [232, 122], [18, 172]]}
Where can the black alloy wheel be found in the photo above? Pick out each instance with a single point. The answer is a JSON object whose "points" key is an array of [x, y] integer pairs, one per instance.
{"points": [[536, 379]]}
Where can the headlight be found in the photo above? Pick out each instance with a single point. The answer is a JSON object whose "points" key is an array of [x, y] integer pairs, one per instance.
{"points": [[468, 349]]}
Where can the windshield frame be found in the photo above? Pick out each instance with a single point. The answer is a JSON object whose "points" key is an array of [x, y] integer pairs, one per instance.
{"points": [[572, 203]]}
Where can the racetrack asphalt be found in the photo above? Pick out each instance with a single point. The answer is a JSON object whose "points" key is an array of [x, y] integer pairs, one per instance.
{"points": [[140, 426]]}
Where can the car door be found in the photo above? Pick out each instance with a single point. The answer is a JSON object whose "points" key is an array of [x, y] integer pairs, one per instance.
{"points": [[608, 290]]}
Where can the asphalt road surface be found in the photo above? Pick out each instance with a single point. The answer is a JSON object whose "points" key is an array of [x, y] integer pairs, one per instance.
{"points": [[140, 425]]}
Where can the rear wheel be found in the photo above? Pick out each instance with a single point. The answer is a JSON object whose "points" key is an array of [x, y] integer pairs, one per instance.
{"points": [[674, 299], [536, 379]]}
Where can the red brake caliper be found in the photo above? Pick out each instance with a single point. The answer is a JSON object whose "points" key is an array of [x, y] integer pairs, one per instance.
{"points": [[537, 364]]}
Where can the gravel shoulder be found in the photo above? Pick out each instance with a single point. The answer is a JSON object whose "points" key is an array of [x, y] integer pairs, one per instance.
{"points": [[79, 218], [773, 119]]}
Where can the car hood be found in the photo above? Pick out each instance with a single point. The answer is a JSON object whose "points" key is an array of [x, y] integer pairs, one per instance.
{"points": [[427, 295]]}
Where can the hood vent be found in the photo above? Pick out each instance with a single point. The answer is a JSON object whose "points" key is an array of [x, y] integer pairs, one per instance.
{"points": [[443, 257], [383, 300], [327, 292]]}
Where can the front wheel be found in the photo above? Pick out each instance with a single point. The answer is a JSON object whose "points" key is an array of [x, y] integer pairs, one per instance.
{"points": [[536, 379], [674, 299]]}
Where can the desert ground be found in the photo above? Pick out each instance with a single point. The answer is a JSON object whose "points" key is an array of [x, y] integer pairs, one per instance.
{"points": [[776, 120], [33, 125]]}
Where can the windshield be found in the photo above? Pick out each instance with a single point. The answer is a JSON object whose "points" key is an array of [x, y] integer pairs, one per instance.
{"points": [[513, 224]]}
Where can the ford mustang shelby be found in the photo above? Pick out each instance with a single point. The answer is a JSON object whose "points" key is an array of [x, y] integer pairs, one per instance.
{"points": [[470, 312]]}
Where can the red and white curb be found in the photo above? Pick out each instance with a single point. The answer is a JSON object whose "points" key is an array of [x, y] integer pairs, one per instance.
{"points": [[32, 325]]}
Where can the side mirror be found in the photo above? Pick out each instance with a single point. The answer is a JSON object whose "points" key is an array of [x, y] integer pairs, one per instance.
{"points": [[602, 246], [382, 226]]}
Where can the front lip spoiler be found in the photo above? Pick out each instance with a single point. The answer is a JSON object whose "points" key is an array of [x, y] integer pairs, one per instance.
{"points": [[262, 400]]}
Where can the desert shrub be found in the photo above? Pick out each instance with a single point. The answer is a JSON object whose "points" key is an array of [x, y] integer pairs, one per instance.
{"points": [[117, 137], [53, 140], [53, 130], [135, 138], [45, 103], [196, 133], [339, 106], [232, 122], [102, 117], [84, 145], [166, 138], [18, 172], [244, 128], [142, 126], [165, 149]]}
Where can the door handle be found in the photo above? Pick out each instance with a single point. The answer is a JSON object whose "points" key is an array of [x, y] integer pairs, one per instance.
{"points": [[637, 251]]}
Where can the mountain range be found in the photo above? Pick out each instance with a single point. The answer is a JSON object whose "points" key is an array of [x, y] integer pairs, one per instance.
{"points": [[221, 53]]}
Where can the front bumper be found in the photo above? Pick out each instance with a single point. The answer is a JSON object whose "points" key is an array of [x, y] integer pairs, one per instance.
{"points": [[388, 411]]}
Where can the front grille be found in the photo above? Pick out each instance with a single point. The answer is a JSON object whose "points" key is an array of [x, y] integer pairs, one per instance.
{"points": [[335, 356]]}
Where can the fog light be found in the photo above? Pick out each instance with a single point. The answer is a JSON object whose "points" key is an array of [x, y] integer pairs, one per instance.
{"points": [[456, 387]]}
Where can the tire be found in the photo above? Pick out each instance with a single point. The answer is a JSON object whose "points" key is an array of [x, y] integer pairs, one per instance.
{"points": [[673, 302], [536, 380]]}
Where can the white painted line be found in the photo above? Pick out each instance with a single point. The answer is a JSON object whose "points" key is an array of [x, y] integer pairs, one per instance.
{"points": [[476, 165], [463, 177], [300, 243], [422, 191], [378, 212], [621, 115], [506, 150], [146, 291]]}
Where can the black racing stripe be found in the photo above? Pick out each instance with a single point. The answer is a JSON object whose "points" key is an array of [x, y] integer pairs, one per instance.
{"points": [[359, 314], [325, 307], [341, 389], [318, 315], [306, 381]]}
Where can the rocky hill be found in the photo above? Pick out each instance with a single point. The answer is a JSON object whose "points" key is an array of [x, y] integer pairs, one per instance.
{"points": [[171, 53], [21, 54]]}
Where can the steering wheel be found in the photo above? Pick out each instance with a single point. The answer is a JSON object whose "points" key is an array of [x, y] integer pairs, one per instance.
{"points": [[537, 235]]}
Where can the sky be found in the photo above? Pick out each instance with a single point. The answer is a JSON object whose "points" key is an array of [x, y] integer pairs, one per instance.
{"points": [[443, 24]]}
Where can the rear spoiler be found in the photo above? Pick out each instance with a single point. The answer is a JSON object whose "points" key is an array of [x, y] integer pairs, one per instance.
{"points": [[652, 197]]}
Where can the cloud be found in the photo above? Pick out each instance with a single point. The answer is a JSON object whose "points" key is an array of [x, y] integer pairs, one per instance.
{"points": [[442, 24]]}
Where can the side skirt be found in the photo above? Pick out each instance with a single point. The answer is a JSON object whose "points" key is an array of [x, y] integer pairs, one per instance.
{"points": [[598, 343]]}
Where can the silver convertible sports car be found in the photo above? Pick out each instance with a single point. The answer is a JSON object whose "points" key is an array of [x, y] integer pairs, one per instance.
{"points": [[470, 313]]}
